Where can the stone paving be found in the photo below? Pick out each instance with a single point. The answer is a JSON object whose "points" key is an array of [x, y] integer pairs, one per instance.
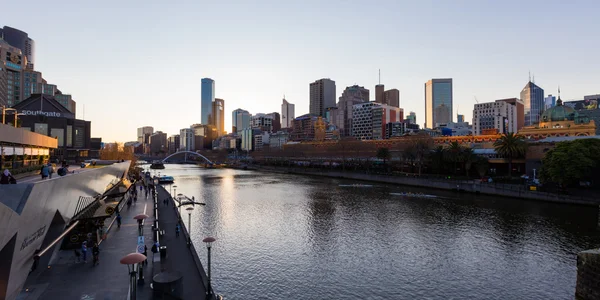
{"points": [[67, 279]]}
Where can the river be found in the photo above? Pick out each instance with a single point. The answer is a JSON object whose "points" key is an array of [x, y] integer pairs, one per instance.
{"points": [[300, 237]]}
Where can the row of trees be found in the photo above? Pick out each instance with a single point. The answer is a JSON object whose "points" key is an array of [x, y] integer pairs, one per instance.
{"points": [[572, 163]]}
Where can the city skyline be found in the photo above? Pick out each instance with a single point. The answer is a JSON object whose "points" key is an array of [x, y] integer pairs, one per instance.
{"points": [[487, 69]]}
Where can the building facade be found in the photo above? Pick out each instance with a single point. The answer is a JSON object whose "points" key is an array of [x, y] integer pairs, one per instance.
{"points": [[549, 102], [322, 96], [560, 121], [158, 143], [21, 40], [173, 143], [240, 120], [412, 118], [218, 116], [276, 117], [262, 122], [206, 100], [438, 102], [369, 120], [499, 115], [13, 62], [342, 117], [379, 93], [288, 113], [392, 97], [533, 101], [303, 128], [186, 139], [277, 140], [144, 133], [397, 129]]}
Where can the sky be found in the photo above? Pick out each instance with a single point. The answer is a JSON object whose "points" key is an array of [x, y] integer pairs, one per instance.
{"points": [[134, 63]]}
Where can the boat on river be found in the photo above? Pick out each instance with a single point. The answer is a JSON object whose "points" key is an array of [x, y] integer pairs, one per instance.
{"points": [[415, 195], [356, 185], [157, 165], [165, 179]]}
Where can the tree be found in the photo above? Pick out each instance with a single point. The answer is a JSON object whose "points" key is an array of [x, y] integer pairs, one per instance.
{"points": [[454, 154], [117, 151], [468, 158], [419, 149], [384, 154], [438, 159], [482, 165], [510, 146], [571, 162]]}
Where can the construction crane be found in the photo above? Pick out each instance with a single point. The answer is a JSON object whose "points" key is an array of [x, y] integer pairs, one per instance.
{"points": [[476, 99]]}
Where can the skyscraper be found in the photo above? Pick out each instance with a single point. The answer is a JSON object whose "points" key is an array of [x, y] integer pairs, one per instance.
{"points": [[322, 96], [276, 121], [287, 114], [549, 102], [207, 98], [392, 97], [144, 133], [379, 93], [438, 102], [240, 120], [533, 100], [218, 116], [21, 40], [342, 116]]}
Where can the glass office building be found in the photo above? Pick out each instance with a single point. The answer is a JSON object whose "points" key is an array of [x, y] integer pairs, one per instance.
{"points": [[533, 100], [438, 102], [207, 98]]}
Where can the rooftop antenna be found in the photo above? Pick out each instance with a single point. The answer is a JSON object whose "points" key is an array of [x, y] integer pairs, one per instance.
{"points": [[380, 76], [529, 76], [533, 78]]}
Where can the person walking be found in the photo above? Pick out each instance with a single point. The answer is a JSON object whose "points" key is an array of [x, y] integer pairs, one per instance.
{"points": [[7, 178], [84, 251], [177, 229], [44, 172], [118, 220], [50, 170]]}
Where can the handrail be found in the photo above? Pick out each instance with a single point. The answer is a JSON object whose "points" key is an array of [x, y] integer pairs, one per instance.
{"points": [[56, 240]]}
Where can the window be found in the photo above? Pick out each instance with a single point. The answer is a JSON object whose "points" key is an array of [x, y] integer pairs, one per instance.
{"points": [[41, 128]]}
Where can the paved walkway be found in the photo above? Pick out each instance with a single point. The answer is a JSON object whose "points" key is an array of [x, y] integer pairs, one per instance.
{"points": [[66, 279], [180, 257]]}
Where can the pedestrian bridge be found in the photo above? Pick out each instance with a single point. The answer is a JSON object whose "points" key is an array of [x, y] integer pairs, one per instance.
{"points": [[185, 156]]}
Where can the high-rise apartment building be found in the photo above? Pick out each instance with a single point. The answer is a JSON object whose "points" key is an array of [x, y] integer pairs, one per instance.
{"points": [[218, 116], [173, 143], [287, 114], [322, 96], [21, 40], [392, 97], [13, 62], [207, 99], [263, 122], [158, 143], [533, 100], [276, 121], [369, 120], [500, 115], [240, 120], [438, 102], [342, 116], [144, 133]]}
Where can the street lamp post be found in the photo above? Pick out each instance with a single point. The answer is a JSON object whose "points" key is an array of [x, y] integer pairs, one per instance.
{"points": [[190, 209], [208, 241], [131, 260], [4, 109]]}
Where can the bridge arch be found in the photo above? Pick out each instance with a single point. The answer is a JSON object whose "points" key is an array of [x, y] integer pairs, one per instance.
{"points": [[187, 152]]}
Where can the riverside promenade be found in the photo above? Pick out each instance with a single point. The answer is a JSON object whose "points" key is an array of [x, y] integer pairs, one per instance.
{"points": [[65, 278]]}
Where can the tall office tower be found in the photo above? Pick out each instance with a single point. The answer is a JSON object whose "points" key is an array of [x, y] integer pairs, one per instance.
{"points": [[207, 98], [380, 93], [520, 120], [500, 115], [533, 100], [276, 121], [342, 116], [287, 114], [186, 139], [438, 102], [144, 133], [322, 96], [12, 61], [240, 120], [392, 97], [460, 118], [21, 40], [549, 102], [218, 116], [412, 118]]}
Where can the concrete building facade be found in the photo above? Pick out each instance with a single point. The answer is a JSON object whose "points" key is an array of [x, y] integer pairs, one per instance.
{"points": [[288, 113], [218, 116], [369, 120], [500, 115], [240, 120], [342, 117], [392, 97], [186, 139], [322, 96], [173, 143]]}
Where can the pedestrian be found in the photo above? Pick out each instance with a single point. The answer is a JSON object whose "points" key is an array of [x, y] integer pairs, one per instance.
{"points": [[50, 170], [177, 229], [44, 171], [96, 254], [141, 187], [118, 220], [146, 254], [84, 251], [146, 193], [7, 178]]}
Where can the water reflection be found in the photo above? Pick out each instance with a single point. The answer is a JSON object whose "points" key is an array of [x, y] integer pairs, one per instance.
{"points": [[294, 237]]}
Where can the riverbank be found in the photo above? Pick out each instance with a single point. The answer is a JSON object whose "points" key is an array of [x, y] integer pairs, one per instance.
{"points": [[468, 186]]}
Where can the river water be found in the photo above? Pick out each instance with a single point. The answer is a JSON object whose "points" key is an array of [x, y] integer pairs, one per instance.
{"points": [[300, 237]]}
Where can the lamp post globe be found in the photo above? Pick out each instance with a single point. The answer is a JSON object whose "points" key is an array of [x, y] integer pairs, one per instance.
{"points": [[208, 241]]}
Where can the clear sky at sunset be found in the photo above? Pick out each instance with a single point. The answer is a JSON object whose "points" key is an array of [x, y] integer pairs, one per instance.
{"points": [[136, 63]]}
